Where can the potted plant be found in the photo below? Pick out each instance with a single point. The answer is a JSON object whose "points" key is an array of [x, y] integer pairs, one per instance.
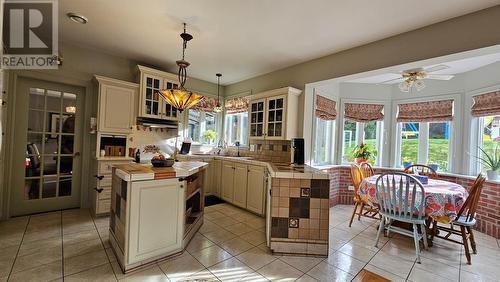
{"points": [[209, 135], [491, 162], [362, 153]]}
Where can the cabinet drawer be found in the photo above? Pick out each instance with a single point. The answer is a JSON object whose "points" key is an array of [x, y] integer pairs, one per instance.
{"points": [[106, 181], [105, 194], [103, 206], [105, 167]]}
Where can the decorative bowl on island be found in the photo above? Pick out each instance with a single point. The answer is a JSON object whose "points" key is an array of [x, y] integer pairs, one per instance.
{"points": [[161, 161]]}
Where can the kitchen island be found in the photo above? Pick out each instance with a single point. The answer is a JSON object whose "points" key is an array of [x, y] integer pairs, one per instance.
{"points": [[154, 211]]}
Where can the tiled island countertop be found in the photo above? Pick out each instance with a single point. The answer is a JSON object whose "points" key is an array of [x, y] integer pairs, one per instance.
{"points": [[298, 208]]}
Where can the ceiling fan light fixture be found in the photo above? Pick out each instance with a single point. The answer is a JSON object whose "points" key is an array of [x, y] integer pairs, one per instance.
{"points": [[419, 85], [405, 86]]}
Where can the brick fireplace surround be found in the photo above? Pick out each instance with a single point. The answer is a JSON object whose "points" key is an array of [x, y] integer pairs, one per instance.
{"points": [[488, 212]]}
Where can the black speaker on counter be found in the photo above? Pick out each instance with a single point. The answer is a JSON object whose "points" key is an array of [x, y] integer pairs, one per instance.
{"points": [[298, 151]]}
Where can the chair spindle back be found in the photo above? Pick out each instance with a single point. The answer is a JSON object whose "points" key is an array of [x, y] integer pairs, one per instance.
{"points": [[366, 170], [357, 178], [421, 169], [471, 203], [400, 195]]}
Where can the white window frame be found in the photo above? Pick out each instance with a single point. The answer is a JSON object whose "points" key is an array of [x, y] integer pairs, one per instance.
{"points": [[240, 137], [185, 128], [330, 155]]}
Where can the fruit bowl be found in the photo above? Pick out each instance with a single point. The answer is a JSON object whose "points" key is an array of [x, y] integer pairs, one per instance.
{"points": [[163, 163]]}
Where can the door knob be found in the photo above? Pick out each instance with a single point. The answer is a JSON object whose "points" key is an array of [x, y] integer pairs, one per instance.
{"points": [[77, 154]]}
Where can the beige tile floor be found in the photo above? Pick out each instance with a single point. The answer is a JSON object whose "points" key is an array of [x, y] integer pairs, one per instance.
{"points": [[230, 246]]}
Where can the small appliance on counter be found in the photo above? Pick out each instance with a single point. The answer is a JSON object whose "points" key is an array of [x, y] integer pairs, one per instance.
{"points": [[186, 146], [298, 151]]}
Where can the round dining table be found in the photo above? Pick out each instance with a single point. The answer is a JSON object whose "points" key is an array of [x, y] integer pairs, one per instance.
{"points": [[443, 199]]}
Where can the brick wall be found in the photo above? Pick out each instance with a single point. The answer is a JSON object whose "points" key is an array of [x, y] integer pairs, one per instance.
{"points": [[488, 212]]}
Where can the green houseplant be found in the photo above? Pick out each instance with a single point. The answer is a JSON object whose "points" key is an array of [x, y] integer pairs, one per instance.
{"points": [[209, 135], [363, 153], [491, 161]]}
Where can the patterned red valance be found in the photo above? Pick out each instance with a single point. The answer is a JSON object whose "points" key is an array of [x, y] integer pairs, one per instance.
{"points": [[426, 111], [325, 108], [363, 112], [236, 105], [486, 104], [206, 105]]}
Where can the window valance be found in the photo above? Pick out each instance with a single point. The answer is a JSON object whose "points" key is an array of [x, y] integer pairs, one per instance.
{"points": [[236, 105], [486, 104], [206, 105], [426, 111], [363, 112], [325, 108]]}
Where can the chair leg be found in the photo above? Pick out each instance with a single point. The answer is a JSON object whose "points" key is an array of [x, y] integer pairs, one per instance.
{"points": [[361, 211], [424, 236], [472, 240], [353, 213], [434, 229], [466, 243], [380, 229], [417, 242]]}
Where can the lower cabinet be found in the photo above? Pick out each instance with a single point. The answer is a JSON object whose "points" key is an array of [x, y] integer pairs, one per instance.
{"points": [[156, 225], [256, 189], [240, 185], [243, 185], [227, 181], [216, 177]]}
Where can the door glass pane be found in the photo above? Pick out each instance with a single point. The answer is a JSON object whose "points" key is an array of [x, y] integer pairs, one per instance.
{"points": [[35, 120], [155, 108], [439, 144], [279, 115], [149, 82], [156, 84], [349, 140], [53, 123], [32, 188], [67, 143], [253, 130], [277, 129], [254, 107], [260, 106], [66, 165], [53, 101], [49, 165], [260, 117], [409, 143], [37, 98], [270, 129], [49, 187], [65, 186], [272, 104], [50, 144], [271, 116], [259, 129], [149, 92], [279, 103]]}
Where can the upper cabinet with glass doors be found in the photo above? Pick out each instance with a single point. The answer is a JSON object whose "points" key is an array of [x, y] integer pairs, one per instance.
{"points": [[151, 105], [273, 115]]}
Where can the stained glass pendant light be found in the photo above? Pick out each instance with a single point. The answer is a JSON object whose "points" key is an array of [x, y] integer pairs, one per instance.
{"points": [[181, 98], [218, 107]]}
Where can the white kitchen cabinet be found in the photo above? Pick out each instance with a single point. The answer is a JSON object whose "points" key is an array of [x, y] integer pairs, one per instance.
{"points": [[116, 105], [256, 189], [216, 177], [151, 105], [240, 185], [273, 115], [156, 225], [227, 181], [208, 180]]}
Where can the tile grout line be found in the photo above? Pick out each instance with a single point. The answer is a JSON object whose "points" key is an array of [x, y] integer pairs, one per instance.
{"points": [[18, 248], [104, 247]]}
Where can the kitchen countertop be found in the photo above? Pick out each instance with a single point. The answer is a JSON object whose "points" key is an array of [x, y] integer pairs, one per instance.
{"points": [[137, 172], [278, 170]]}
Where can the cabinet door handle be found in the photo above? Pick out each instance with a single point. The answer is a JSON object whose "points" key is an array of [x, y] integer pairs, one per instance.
{"points": [[99, 177], [99, 190]]}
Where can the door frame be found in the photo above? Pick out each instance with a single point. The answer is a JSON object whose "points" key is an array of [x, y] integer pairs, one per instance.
{"points": [[83, 81]]}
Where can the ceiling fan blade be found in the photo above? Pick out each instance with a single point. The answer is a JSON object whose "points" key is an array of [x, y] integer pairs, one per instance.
{"points": [[391, 81], [440, 76], [436, 68]]}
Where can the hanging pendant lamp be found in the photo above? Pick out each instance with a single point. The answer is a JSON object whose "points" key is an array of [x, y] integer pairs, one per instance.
{"points": [[218, 107], [180, 98]]}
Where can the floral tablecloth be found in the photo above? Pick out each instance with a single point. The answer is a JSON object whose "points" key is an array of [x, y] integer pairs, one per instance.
{"points": [[443, 199]]}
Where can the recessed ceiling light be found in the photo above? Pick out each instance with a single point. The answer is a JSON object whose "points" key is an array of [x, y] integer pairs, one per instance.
{"points": [[77, 18]]}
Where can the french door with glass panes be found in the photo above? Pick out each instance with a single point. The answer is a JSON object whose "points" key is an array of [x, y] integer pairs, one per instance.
{"points": [[46, 155]]}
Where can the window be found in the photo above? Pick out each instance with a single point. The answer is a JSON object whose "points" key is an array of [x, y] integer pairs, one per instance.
{"points": [[362, 132], [409, 143], [200, 125], [236, 129], [425, 143], [489, 135], [439, 144], [350, 140], [324, 141]]}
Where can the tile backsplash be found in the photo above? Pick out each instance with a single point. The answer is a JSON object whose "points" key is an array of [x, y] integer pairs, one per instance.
{"points": [[276, 151]]}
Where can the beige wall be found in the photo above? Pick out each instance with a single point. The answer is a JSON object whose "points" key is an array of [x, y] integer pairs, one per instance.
{"points": [[472, 31]]}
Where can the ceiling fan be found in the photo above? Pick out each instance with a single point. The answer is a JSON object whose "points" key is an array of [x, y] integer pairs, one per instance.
{"points": [[413, 78]]}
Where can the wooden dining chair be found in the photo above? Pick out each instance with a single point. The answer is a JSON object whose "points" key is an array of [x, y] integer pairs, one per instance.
{"points": [[421, 169], [466, 219], [357, 177], [366, 170], [401, 197]]}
